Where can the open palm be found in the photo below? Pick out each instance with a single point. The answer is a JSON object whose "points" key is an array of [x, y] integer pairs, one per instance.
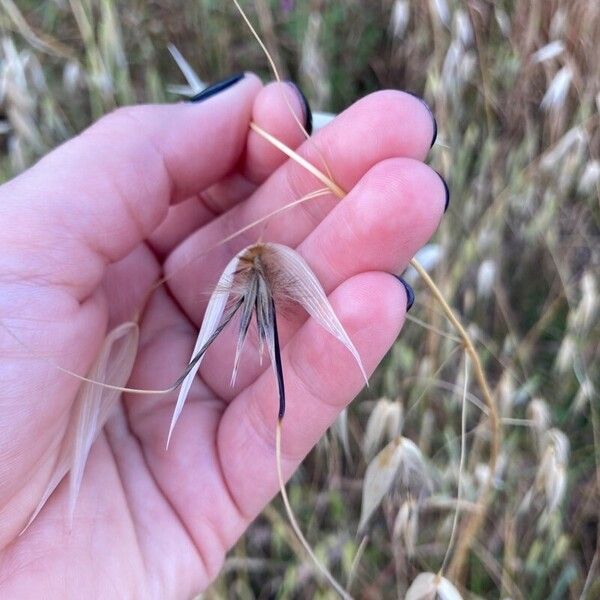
{"points": [[149, 190]]}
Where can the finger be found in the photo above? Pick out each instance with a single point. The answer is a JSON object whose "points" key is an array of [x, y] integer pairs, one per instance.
{"points": [[379, 226], [282, 109], [271, 110], [321, 378], [95, 198], [126, 284], [182, 219], [382, 125]]}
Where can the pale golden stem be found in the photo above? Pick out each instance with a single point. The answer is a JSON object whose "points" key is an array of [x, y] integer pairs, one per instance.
{"points": [[332, 185], [475, 521], [290, 513]]}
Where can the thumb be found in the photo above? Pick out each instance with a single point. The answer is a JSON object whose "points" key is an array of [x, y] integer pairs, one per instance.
{"points": [[93, 199]]}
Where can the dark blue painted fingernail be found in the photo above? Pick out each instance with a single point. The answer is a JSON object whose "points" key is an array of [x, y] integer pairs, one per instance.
{"points": [[435, 127], [410, 293], [447, 190], [215, 88], [308, 119]]}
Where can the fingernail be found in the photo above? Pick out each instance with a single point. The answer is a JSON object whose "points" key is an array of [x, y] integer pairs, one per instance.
{"points": [[447, 192], [308, 120], [410, 293], [435, 127], [215, 88]]}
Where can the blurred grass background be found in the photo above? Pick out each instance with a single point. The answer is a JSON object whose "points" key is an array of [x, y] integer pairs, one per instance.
{"points": [[515, 86]]}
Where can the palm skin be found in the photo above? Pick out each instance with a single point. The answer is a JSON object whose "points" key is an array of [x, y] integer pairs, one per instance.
{"points": [[87, 231]]}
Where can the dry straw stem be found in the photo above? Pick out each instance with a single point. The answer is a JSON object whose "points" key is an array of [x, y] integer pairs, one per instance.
{"points": [[476, 520], [290, 513], [463, 453], [41, 41], [354, 567], [474, 523]]}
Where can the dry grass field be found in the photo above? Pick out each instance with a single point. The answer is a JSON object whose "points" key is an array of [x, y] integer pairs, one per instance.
{"points": [[515, 87]]}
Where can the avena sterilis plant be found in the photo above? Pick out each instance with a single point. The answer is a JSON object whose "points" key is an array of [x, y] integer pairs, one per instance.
{"points": [[514, 88]]}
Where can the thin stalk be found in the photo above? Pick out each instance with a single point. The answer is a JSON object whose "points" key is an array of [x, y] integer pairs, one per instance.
{"points": [[477, 518], [357, 557], [433, 329], [461, 466], [290, 514], [277, 78], [334, 187]]}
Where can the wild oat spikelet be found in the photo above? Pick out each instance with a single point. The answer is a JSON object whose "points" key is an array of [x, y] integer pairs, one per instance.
{"points": [[538, 413], [399, 18], [384, 424], [587, 309], [548, 52], [255, 280], [551, 477], [402, 459], [429, 586], [585, 395], [406, 526], [565, 358], [313, 67], [557, 91], [486, 277], [91, 410]]}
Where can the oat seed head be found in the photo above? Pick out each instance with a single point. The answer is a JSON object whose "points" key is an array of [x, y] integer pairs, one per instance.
{"points": [[538, 412], [258, 280], [486, 276], [384, 424], [406, 526], [429, 586], [551, 478], [548, 52], [399, 18], [400, 461], [313, 67], [557, 91]]}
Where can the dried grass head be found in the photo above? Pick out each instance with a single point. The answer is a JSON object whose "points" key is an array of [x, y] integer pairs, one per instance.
{"points": [[256, 282]]}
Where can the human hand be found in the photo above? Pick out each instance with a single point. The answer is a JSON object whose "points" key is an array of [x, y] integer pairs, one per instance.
{"points": [[87, 231]]}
